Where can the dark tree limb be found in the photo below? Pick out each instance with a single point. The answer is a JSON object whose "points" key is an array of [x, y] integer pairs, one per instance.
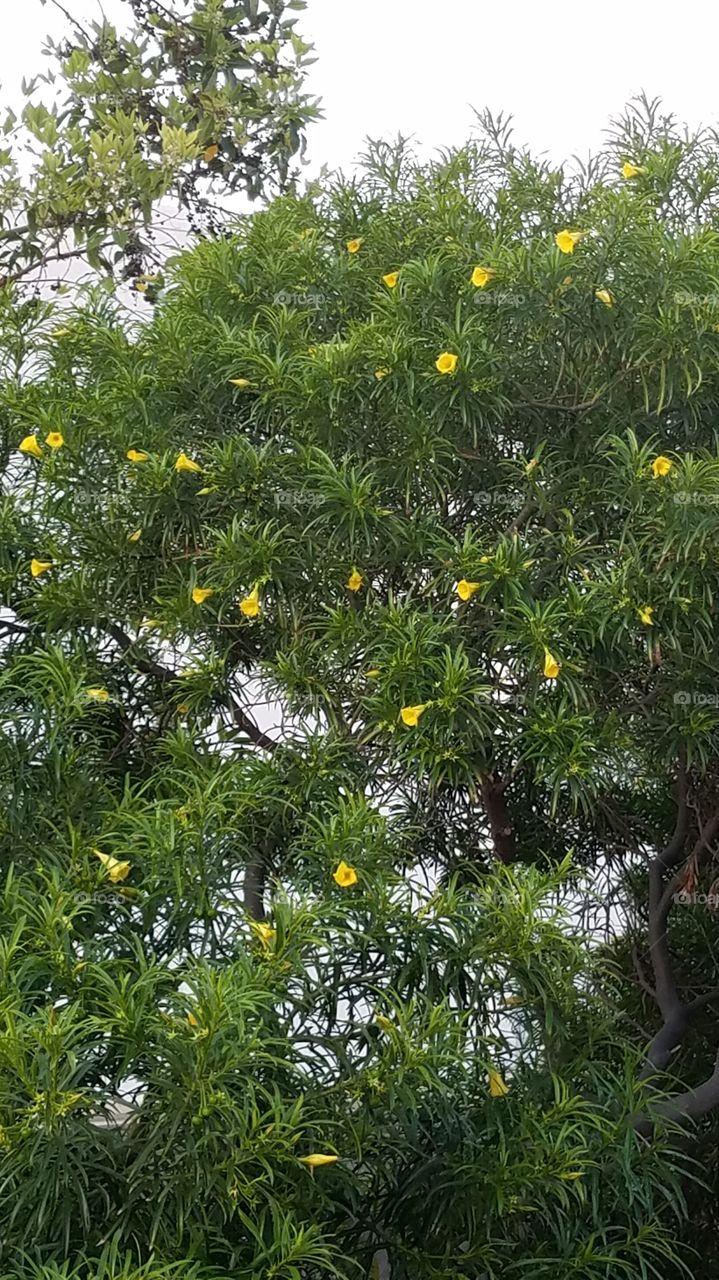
{"points": [[500, 821]]}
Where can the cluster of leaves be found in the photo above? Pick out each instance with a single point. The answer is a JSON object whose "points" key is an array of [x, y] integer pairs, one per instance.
{"points": [[357, 557], [191, 103]]}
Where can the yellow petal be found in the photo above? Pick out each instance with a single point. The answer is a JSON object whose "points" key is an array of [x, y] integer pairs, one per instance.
{"points": [[381, 373], [141, 286], [250, 606], [497, 1086], [136, 455], [116, 870], [186, 464], [316, 1160], [210, 152], [201, 594], [410, 715], [31, 445], [645, 613], [134, 537], [630, 170], [354, 246], [192, 1020], [39, 566], [661, 466], [465, 589], [264, 932], [481, 276], [354, 582], [551, 666], [447, 362], [567, 241], [54, 439], [345, 876], [97, 695], [604, 296], [391, 279]]}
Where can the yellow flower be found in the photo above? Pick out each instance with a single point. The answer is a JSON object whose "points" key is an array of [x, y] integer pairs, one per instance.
{"points": [[604, 296], [381, 373], [141, 286], [354, 582], [661, 466], [192, 1020], [568, 240], [630, 170], [264, 932], [97, 695], [314, 1161], [531, 466], [465, 590], [481, 276], [183, 708], [447, 362], [645, 613], [137, 455], [354, 246], [186, 464], [372, 673], [54, 439], [250, 606], [391, 279], [410, 715], [240, 382], [39, 566], [385, 1023], [134, 537], [497, 1086], [30, 445], [115, 870], [345, 876], [201, 594], [210, 152], [551, 666]]}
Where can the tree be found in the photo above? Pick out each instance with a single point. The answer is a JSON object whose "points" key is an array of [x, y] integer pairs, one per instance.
{"points": [[387, 548], [199, 99]]}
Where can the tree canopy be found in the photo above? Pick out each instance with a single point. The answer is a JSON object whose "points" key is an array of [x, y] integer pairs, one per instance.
{"points": [[358, 609]]}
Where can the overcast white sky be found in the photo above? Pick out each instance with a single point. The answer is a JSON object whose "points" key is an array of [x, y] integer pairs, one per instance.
{"points": [[420, 65]]}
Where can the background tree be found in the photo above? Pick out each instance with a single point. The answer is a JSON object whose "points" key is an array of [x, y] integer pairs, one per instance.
{"points": [[195, 101], [387, 550]]}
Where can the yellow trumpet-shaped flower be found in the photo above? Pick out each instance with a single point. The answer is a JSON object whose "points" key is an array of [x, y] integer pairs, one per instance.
{"points": [[391, 279], [345, 876], [447, 362], [603, 295], [31, 445], [134, 536], [39, 566], [381, 373], [210, 152], [498, 1088], [54, 439], [137, 455], [97, 695], [240, 382], [567, 241], [201, 594], [661, 466], [186, 464], [465, 589], [645, 613], [250, 606], [410, 715], [192, 1020], [481, 276], [354, 246], [116, 870], [264, 932], [317, 1159], [355, 580], [551, 666], [630, 170]]}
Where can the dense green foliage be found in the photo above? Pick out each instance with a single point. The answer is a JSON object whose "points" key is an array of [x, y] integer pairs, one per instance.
{"points": [[234, 751], [181, 108]]}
